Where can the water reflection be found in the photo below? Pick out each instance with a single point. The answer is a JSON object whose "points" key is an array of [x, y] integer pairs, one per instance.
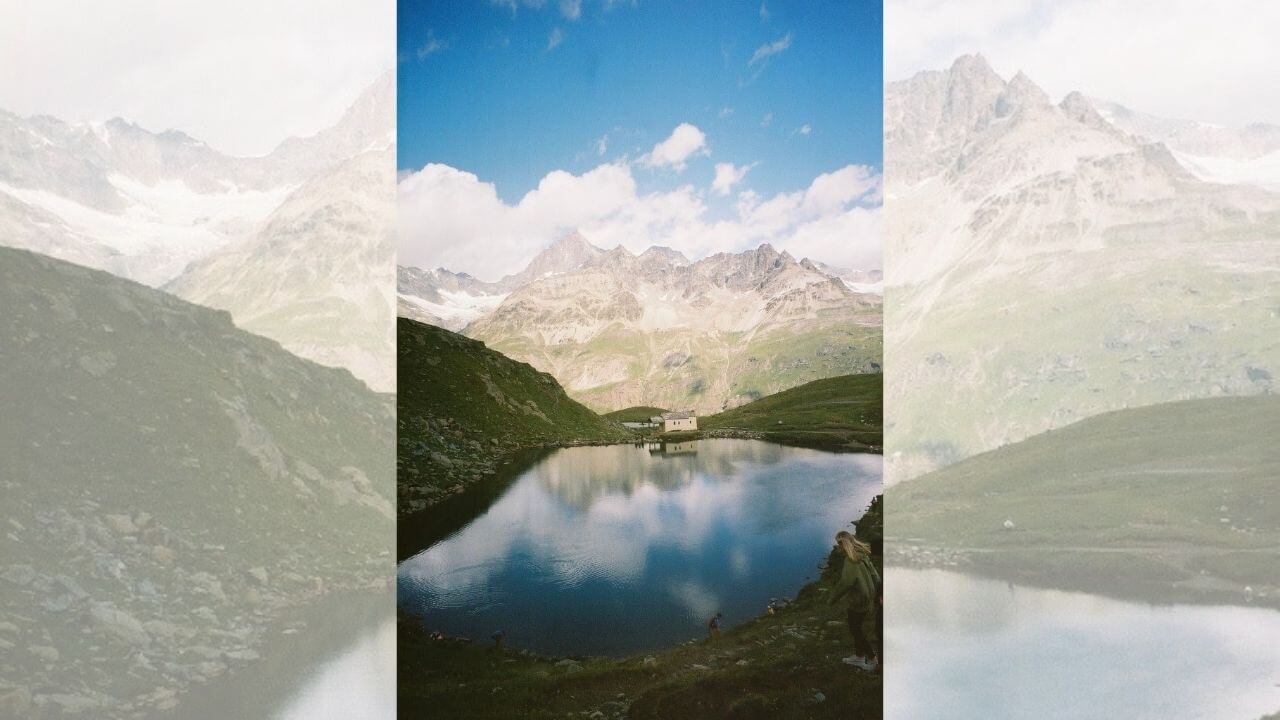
{"points": [[333, 659], [679, 448], [359, 684], [616, 549], [960, 647]]}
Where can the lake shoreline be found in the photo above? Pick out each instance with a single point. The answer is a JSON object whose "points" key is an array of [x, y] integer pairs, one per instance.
{"points": [[827, 441], [301, 631], [784, 664], [471, 471], [1144, 579]]}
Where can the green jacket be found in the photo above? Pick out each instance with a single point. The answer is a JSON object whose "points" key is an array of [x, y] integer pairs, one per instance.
{"points": [[860, 581]]}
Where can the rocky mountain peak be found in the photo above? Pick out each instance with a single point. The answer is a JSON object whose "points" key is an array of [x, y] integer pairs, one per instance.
{"points": [[664, 253], [972, 89], [973, 68], [565, 254], [1078, 107], [570, 240], [1021, 94], [120, 124]]}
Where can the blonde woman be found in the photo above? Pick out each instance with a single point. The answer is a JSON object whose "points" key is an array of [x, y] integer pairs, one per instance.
{"points": [[861, 583]]}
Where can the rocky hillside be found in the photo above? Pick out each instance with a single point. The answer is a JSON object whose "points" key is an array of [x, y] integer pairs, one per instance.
{"points": [[463, 407], [1044, 266], [1171, 500], [171, 485], [618, 330]]}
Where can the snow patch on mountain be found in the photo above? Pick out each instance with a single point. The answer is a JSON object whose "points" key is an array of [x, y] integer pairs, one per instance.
{"points": [[164, 226], [456, 310], [1248, 155], [1261, 171], [145, 204]]}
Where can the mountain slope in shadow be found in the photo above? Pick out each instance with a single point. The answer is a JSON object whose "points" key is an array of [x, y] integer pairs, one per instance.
{"points": [[171, 486]]}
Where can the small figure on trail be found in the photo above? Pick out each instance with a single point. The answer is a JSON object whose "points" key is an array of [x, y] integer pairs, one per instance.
{"points": [[498, 637], [713, 626], [860, 581]]}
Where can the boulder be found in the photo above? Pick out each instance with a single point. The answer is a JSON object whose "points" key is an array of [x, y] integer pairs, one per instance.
{"points": [[119, 624], [122, 524], [259, 575]]}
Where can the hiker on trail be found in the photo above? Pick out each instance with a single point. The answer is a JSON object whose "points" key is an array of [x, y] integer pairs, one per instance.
{"points": [[861, 583], [713, 626]]}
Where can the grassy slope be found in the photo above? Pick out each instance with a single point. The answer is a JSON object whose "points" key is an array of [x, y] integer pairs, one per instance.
{"points": [[1172, 498], [770, 667], [637, 413], [462, 407], [836, 413]]}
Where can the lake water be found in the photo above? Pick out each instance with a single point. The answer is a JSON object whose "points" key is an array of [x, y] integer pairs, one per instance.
{"points": [[340, 665], [358, 683], [959, 647], [622, 549]]}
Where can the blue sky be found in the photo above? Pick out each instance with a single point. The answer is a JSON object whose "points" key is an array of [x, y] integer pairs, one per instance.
{"points": [[479, 89], [512, 91]]}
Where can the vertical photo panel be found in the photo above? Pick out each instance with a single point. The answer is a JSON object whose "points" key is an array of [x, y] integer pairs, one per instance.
{"points": [[197, 425], [1083, 286], [639, 360]]}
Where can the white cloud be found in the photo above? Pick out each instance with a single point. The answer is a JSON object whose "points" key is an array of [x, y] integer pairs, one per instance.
{"points": [[514, 5], [602, 145], [728, 175], [803, 130], [241, 75], [432, 46], [831, 191], [685, 141], [571, 9], [557, 37], [768, 50], [767, 120], [725, 112], [1179, 58], [847, 239], [451, 218], [764, 13]]}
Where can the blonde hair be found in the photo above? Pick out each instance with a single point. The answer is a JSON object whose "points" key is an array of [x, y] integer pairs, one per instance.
{"points": [[854, 548]]}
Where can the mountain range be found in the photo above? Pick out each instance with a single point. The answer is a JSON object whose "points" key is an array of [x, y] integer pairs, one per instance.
{"points": [[619, 329], [292, 243], [1045, 264], [1247, 155]]}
